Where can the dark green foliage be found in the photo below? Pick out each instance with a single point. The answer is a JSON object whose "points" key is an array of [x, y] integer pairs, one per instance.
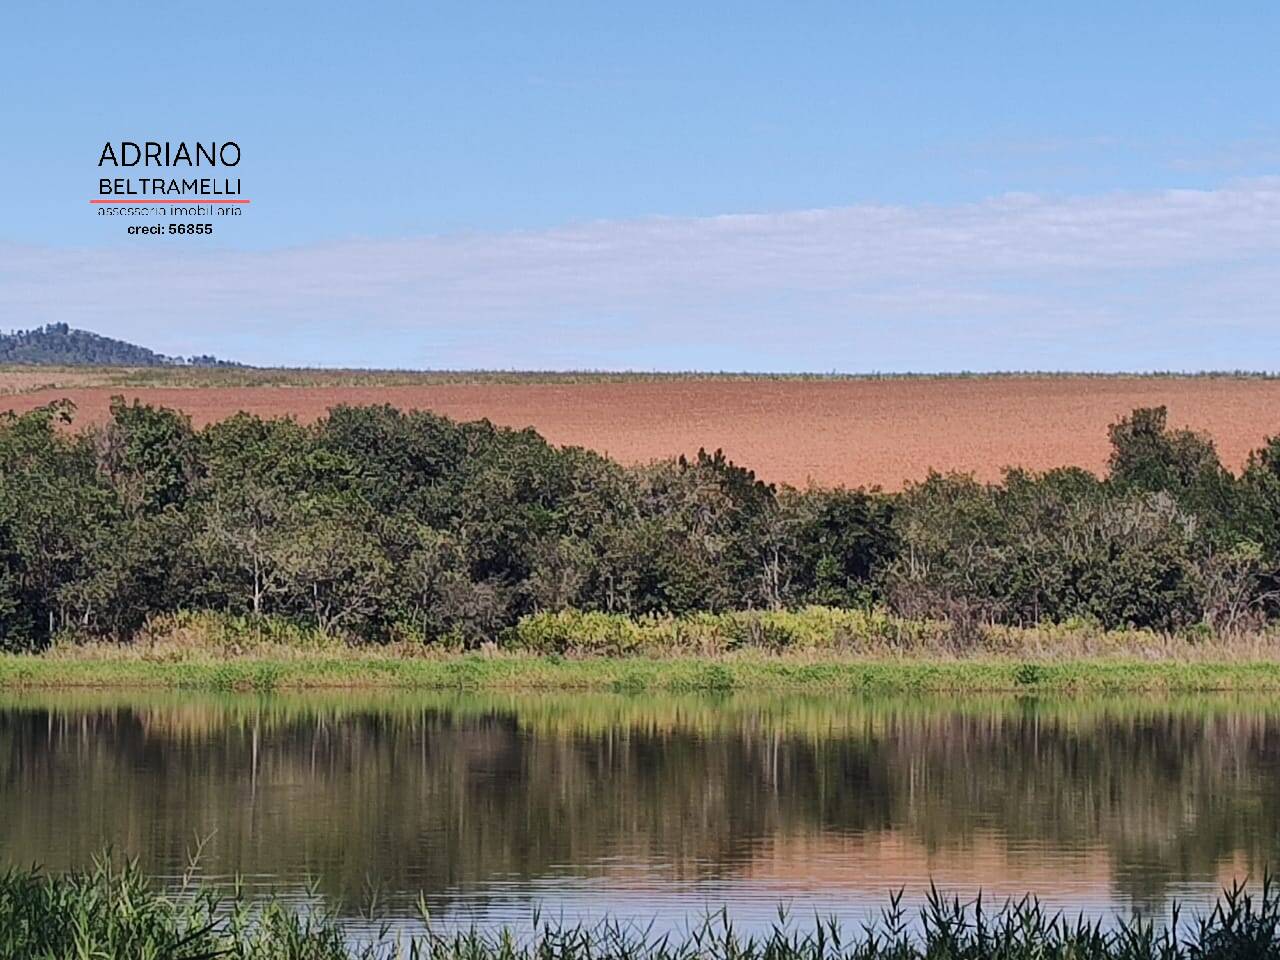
{"points": [[378, 524], [57, 344], [1168, 540], [841, 542], [696, 537], [1147, 456], [149, 454], [1259, 520], [118, 913], [1051, 547], [56, 512]]}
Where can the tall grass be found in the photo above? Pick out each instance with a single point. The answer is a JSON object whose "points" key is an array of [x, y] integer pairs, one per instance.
{"points": [[816, 649], [110, 912], [871, 632], [809, 632]]}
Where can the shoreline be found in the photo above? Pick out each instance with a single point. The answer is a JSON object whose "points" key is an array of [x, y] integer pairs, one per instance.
{"points": [[110, 907], [677, 674]]}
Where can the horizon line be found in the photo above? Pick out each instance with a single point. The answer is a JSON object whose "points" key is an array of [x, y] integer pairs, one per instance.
{"points": [[232, 366]]}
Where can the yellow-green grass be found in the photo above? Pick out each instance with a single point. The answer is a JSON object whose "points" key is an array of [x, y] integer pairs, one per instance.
{"points": [[815, 649], [745, 671]]}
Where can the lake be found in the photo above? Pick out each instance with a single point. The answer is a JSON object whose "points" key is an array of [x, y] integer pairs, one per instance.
{"points": [[655, 808]]}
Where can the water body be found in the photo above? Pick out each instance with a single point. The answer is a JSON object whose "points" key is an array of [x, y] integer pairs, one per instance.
{"points": [[655, 808]]}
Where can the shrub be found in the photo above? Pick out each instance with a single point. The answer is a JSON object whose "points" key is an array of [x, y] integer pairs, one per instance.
{"points": [[572, 631]]}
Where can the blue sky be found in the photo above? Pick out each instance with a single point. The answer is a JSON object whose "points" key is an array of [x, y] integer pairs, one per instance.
{"points": [[848, 187]]}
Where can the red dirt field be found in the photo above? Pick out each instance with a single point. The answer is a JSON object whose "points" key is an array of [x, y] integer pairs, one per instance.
{"points": [[832, 432]]}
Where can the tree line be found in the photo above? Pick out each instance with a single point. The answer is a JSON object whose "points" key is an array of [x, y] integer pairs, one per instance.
{"points": [[379, 524]]}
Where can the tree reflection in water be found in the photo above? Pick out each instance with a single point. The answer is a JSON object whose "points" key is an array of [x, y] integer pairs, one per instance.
{"points": [[463, 794]]}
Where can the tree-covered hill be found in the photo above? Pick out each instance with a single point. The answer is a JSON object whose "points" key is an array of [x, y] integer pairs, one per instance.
{"points": [[59, 344]]}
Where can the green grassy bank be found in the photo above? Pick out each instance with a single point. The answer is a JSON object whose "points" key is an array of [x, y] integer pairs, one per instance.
{"points": [[814, 650], [634, 674]]}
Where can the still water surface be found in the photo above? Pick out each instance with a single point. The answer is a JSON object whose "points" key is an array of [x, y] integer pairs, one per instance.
{"points": [[653, 808]]}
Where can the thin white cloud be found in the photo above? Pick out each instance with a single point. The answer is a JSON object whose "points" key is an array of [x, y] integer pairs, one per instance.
{"points": [[1016, 281]]}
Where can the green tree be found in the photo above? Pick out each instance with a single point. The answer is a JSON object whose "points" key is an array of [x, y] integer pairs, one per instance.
{"points": [[149, 454], [837, 545], [1149, 457], [332, 572], [54, 505]]}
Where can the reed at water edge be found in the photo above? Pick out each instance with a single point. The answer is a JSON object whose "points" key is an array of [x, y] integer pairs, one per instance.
{"points": [[113, 910]]}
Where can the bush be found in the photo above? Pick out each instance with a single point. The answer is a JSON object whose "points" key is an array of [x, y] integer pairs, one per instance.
{"points": [[817, 629], [572, 631]]}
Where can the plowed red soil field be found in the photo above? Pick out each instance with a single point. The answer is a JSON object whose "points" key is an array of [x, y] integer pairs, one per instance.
{"points": [[834, 432]]}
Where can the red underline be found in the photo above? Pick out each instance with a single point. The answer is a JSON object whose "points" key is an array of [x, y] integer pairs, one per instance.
{"points": [[199, 200]]}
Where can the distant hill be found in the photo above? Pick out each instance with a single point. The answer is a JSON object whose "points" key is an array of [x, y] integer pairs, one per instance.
{"points": [[57, 344]]}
